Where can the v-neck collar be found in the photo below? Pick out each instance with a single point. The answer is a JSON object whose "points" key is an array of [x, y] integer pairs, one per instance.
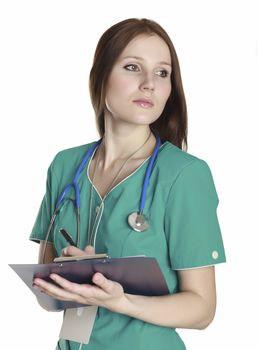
{"points": [[119, 183]]}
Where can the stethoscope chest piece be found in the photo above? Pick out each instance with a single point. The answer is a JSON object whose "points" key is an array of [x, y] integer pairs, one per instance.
{"points": [[138, 222]]}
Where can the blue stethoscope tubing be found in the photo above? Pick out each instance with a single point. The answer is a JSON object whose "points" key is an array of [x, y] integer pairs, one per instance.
{"points": [[75, 185]]}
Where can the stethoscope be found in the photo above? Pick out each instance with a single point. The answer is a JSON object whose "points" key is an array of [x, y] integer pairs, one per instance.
{"points": [[136, 220]]}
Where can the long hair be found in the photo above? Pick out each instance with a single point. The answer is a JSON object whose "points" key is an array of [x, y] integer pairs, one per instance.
{"points": [[172, 123]]}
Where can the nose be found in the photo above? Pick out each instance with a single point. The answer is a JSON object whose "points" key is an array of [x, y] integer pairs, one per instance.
{"points": [[147, 82]]}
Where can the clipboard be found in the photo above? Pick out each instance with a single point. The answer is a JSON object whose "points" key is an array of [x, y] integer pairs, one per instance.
{"points": [[138, 275]]}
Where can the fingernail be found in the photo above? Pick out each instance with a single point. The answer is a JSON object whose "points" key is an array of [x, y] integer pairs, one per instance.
{"points": [[53, 277], [64, 251], [89, 248], [97, 278], [35, 282]]}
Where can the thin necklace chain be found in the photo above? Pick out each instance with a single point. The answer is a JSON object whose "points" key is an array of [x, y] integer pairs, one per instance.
{"points": [[90, 234]]}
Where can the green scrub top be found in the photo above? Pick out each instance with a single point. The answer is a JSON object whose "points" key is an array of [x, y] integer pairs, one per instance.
{"points": [[184, 231]]}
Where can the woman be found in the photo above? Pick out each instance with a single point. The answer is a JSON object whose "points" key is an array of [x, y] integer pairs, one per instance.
{"points": [[137, 94]]}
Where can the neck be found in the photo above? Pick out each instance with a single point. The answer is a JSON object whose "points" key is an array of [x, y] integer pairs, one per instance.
{"points": [[118, 145]]}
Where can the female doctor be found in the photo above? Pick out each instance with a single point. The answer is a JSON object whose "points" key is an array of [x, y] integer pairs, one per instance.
{"points": [[138, 98]]}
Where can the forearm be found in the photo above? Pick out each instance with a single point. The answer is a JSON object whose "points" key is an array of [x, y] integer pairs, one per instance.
{"points": [[181, 310], [194, 307]]}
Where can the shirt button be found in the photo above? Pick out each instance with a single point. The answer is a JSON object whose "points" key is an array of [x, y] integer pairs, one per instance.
{"points": [[97, 209], [215, 254]]}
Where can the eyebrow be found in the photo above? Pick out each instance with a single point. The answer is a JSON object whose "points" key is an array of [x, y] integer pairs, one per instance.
{"points": [[141, 59]]}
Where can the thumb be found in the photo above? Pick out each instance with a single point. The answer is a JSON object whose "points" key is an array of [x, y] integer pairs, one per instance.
{"points": [[89, 250]]}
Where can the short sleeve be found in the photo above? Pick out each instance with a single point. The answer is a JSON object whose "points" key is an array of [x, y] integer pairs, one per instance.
{"points": [[46, 209], [191, 222]]}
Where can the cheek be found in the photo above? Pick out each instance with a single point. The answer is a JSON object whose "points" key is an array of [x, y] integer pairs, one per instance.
{"points": [[119, 91], [121, 83], [126, 86], [165, 91]]}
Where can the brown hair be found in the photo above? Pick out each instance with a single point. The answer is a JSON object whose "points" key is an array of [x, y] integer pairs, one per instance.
{"points": [[172, 123]]}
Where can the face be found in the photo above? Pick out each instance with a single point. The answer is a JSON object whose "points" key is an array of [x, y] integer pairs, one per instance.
{"points": [[139, 83]]}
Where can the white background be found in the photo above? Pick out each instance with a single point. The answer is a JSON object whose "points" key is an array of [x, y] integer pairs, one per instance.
{"points": [[46, 54]]}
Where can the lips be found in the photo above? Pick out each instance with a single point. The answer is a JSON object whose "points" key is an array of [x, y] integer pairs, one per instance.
{"points": [[143, 102]]}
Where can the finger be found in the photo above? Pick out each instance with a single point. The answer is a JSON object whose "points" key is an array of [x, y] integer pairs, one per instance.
{"points": [[46, 291], [70, 286], [54, 291], [108, 286], [61, 294], [89, 249], [72, 251], [87, 291]]}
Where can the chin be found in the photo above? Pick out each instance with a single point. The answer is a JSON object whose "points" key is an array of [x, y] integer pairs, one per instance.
{"points": [[146, 117], [142, 120]]}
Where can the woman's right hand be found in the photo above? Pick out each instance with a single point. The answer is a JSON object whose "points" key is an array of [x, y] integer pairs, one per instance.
{"points": [[74, 251]]}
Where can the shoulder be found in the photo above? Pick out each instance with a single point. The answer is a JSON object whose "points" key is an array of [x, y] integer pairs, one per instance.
{"points": [[75, 153], [174, 160], [67, 160], [186, 172]]}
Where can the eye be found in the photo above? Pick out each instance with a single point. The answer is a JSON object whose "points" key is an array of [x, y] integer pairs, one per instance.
{"points": [[132, 67], [163, 73]]}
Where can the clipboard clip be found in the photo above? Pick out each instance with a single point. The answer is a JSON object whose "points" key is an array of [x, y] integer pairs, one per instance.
{"points": [[62, 259]]}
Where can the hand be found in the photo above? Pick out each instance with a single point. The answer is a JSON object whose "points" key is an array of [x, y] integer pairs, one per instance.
{"points": [[105, 293], [73, 251]]}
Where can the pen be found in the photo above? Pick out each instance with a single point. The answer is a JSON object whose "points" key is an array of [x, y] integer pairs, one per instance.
{"points": [[67, 236]]}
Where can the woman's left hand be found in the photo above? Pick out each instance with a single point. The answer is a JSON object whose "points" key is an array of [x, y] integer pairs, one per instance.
{"points": [[104, 292]]}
